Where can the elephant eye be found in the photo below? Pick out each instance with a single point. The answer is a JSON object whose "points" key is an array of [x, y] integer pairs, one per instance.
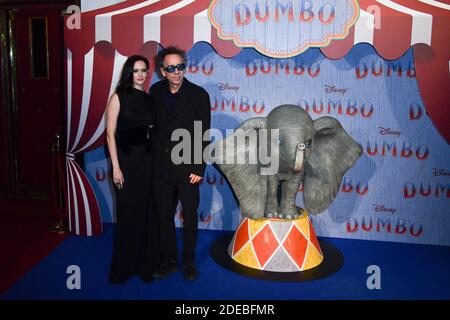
{"points": [[279, 141], [308, 143]]}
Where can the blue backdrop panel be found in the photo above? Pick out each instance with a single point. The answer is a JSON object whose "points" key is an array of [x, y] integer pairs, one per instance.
{"points": [[397, 191]]}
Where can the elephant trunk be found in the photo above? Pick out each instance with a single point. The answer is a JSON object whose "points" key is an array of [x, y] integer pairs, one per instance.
{"points": [[299, 156]]}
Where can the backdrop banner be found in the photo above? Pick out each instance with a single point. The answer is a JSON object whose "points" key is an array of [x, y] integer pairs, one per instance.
{"points": [[398, 190]]}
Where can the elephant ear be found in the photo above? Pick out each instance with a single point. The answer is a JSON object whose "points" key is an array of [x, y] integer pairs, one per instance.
{"points": [[249, 186], [333, 152]]}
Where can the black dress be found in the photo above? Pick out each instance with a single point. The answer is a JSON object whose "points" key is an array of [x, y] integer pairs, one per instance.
{"points": [[135, 248]]}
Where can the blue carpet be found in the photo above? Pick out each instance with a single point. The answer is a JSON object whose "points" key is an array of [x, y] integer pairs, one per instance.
{"points": [[408, 271]]}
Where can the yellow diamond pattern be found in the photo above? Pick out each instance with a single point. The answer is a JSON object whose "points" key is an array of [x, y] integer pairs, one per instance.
{"points": [[303, 224], [247, 257], [313, 259], [255, 226]]}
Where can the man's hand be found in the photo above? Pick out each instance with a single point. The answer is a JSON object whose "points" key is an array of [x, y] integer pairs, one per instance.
{"points": [[193, 178]]}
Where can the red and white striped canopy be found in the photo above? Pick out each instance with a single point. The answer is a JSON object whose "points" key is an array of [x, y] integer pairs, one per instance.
{"points": [[391, 26], [131, 24]]}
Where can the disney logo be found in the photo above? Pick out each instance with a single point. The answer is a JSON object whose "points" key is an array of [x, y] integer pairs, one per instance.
{"points": [[382, 208], [389, 131], [331, 89], [226, 86], [440, 172]]}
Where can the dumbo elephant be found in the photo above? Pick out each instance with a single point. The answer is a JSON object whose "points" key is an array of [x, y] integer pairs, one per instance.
{"points": [[316, 153]]}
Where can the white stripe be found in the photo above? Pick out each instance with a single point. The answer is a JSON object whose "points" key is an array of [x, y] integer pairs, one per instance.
{"points": [[152, 21], [202, 27], [421, 22], [436, 4], [119, 61], [103, 21], [87, 209], [87, 87], [364, 27], [68, 194], [74, 198], [69, 95], [98, 132]]}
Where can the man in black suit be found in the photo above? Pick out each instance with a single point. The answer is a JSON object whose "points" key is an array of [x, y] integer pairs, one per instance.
{"points": [[179, 104]]}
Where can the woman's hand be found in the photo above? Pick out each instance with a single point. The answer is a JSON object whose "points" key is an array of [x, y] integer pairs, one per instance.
{"points": [[193, 178], [118, 178]]}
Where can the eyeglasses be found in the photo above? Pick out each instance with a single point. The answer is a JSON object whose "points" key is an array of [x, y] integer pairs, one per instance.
{"points": [[171, 69]]}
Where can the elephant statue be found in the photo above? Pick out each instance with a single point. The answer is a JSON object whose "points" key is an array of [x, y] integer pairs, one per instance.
{"points": [[313, 152]]}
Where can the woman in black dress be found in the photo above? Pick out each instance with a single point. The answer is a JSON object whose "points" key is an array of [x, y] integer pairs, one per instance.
{"points": [[130, 118]]}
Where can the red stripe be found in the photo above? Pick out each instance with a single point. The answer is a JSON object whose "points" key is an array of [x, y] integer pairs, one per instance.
{"points": [[101, 83], [431, 65], [78, 210], [77, 96], [226, 48], [70, 197], [81, 213], [95, 216], [433, 77], [149, 50], [177, 28], [115, 7], [339, 48], [424, 7], [127, 32], [441, 21], [394, 37], [128, 28], [81, 40], [173, 24]]}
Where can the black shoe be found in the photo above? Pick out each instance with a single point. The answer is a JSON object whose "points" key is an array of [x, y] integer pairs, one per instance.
{"points": [[166, 269], [189, 272]]}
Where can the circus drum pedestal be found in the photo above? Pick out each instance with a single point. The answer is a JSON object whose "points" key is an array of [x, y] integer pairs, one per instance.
{"points": [[277, 249], [276, 244]]}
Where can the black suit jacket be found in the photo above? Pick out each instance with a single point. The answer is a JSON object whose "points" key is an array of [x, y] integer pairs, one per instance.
{"points": [[193, 104]]}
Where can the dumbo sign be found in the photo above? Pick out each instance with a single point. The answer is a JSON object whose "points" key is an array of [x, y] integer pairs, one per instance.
{"points": [[283, 28]]}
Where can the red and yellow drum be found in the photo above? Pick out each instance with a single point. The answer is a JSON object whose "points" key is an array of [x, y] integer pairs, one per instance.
{"points": [[276, 245]]}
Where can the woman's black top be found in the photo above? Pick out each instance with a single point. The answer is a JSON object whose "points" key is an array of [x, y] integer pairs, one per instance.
{"points": [[136, 119]]}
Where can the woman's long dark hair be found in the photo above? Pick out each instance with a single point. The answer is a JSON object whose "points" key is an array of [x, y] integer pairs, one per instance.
{"points": [[126, 78]]}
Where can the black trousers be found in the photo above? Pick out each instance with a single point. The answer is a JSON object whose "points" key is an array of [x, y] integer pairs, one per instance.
{"points": [[167, 193]]}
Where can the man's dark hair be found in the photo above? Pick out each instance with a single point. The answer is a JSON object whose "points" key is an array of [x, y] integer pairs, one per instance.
{"points": [[159, 58]]}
